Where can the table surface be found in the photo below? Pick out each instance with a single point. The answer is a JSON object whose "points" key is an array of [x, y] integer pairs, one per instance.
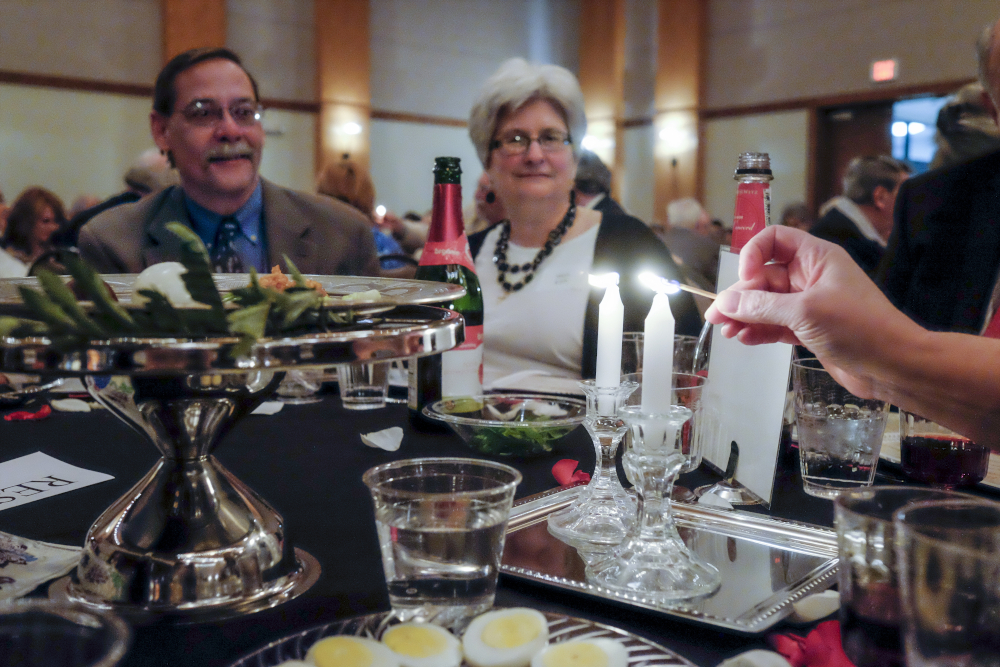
{"points": [[307, 461]]}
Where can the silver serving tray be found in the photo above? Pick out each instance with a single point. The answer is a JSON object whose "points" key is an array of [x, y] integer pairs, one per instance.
{"points": [[641, 652], [392, 291], [766, 563], [402, 332]]}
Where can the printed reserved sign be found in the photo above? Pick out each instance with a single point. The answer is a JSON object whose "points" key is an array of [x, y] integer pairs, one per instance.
{"points": [[37, 476]]}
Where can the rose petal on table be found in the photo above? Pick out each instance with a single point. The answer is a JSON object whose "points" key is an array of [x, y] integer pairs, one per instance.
{"points": [[70, 405], [814, 607], [566, 473], [820, 648], [756, 658], [25, 415], [268, 408], [388, 439], [713, 500]]}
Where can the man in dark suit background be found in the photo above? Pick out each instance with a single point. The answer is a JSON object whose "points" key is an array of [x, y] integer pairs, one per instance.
{"points": [[592, 186], [860, 220], [941, 264], [206, 118]]}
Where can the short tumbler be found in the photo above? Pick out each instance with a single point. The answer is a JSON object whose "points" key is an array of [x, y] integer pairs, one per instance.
{"points": [[363, 386], [840, 434], [949, 561], [870, 616], [441, 525], [936, 455]]}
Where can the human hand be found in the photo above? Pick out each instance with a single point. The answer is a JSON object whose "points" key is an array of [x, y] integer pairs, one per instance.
{"points": [[392, 222], [798, 289]]}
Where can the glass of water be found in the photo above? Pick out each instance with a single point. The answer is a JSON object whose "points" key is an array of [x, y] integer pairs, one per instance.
{"points": [[441, 525], [41, 633], [840, 434]]}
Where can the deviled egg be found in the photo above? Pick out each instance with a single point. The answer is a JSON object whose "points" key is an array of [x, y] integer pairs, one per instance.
{"points": [[423, 645], [582, 653], [505, 638], [347, 651]]}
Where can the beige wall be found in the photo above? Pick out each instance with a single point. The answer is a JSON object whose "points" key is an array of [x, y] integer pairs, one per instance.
{"points": [[766, 50], [429, 57], [783, 136]]}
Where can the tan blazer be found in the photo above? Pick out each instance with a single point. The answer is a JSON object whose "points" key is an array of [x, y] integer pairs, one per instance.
{"points": [[320, 234]]}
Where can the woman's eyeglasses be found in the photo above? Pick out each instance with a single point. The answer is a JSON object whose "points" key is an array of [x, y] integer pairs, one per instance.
{"points": [[205, 113], [517, 142]]}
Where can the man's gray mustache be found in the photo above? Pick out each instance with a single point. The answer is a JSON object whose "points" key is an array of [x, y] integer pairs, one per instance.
{"points": [[229, 151]]}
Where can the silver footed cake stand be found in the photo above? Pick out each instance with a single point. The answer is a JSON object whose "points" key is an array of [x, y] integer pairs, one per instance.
{"points": [[190, 540]]}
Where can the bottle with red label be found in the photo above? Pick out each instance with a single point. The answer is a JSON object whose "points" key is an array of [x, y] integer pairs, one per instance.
{"points": [[753, 198], [458, 373]]}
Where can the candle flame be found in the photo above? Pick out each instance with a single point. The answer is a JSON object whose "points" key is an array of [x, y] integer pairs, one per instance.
{"points": [[603, 280], [659, 284]]}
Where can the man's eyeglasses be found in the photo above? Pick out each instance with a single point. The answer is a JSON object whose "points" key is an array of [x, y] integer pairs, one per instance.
{"points": [[517, 142], [206, 113]]}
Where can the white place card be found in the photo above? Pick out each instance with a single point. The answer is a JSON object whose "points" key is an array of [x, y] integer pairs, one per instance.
{"points": [[747, 387], [37, 476]]}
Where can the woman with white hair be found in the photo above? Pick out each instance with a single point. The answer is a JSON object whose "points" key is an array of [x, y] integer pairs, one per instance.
{"points": [[540, 313]]}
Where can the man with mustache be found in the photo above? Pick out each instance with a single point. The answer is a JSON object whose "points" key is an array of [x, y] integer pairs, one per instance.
{"points": [[206, 118]]}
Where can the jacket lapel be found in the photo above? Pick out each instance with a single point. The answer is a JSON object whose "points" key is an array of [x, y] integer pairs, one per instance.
{"points": [[287, 230], [163, 245]]}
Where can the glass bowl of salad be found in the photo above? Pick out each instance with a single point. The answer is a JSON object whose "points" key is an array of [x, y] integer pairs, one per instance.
{"points": [[511, 424]]}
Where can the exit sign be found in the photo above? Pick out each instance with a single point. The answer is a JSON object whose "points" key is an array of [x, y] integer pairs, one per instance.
{"points": [[884, 70]]}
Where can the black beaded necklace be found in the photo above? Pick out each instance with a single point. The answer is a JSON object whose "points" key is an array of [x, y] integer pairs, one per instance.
{"points": [[528, 268]]}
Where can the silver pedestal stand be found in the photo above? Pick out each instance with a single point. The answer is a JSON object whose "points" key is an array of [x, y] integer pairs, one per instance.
{"points": [[191, 540]]}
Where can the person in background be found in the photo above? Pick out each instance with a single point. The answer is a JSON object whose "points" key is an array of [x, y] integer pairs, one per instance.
{"points": [[965, 129], [797, 215], [540, 313], [206, 118], [34, 217], [346, 181], [81, 203], [800, 290], [486, 209], [150, 173], [691, 238], [4, 210], [942, 263], [860, 220], [593, 185]]}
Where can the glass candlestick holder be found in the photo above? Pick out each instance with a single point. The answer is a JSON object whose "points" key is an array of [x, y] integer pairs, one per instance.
{"points": [[652, 561], [603, 512]]}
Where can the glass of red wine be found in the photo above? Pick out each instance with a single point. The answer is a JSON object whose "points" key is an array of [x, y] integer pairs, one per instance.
{"points": [[935, 455], [870, 613]]}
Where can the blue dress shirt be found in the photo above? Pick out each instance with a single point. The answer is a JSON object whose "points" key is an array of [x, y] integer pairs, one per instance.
{"points": [[251, 244]]}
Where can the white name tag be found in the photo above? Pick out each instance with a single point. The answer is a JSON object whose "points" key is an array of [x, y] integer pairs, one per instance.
{"points": [[37, 476]]}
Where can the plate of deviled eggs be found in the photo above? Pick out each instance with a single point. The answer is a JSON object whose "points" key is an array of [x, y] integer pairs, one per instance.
{"points": [[511, 637]]}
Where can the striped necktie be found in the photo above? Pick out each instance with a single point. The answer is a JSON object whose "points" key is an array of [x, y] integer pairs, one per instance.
{"points": [[225, 258]]}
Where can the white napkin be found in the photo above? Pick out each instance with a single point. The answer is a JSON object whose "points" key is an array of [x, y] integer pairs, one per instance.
{"points": [[268, 408], [814, 607], [756, 658], [388, 439]]}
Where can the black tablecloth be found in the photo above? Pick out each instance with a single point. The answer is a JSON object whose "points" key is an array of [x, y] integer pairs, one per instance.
{"points": [[307, 461]]}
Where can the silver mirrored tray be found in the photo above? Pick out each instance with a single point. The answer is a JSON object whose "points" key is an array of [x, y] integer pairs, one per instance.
{"points": [[561, 628], [766, 563]]}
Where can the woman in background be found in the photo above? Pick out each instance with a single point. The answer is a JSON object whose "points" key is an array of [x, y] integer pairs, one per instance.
{"points": [[540, 313], [33, 218], [346, 181]]}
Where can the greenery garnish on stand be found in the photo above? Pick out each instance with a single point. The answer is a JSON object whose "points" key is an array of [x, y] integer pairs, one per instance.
{"points": [[251, 312]]}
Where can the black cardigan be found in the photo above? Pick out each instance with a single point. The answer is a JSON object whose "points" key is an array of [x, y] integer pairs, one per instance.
{"points": [[626, 245]]}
